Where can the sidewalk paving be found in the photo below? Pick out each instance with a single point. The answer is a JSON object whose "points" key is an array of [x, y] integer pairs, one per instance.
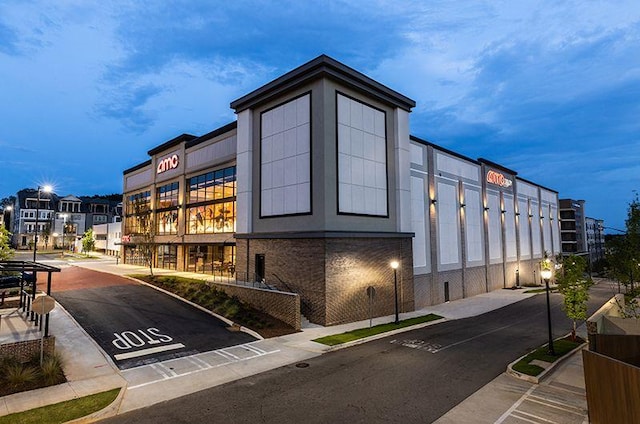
{"points": [[89, 370]]}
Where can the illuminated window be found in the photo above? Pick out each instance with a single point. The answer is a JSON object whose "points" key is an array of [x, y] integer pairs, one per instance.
{"points": [[212, 202]]}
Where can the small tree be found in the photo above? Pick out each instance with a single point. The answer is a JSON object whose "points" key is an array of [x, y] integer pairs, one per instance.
{"points": [[574, 286], [88, 242], [6, 252]]}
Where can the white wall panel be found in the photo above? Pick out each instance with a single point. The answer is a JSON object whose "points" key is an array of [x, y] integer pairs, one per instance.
{"points": [[495, 226], [448, 224], [473, 226], [458, 167], [536, 239], [510, 228], [546, 229], [285, 159], [523, 229], [419, 224], [362, 159]]}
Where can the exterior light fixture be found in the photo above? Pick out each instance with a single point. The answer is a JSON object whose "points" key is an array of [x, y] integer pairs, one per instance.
{"points": [[486, 208], [462, 205], [503, 211], [546, 272], [394, 264], [46, 189], [517, 213], [434, 201]]}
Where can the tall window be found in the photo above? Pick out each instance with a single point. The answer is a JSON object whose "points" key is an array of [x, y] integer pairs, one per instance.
{"points": [[138, 211], [212, 202], [167, 208]]}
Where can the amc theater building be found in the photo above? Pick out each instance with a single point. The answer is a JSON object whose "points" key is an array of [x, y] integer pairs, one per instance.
{"points": [[318, 186]]}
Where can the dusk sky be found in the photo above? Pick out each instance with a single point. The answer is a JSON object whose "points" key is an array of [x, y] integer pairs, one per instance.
{"points": [[549, 89]]}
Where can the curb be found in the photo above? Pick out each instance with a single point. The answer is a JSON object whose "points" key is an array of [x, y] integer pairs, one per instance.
{"points": [[108, 411], [536, 379], [379, 336]]}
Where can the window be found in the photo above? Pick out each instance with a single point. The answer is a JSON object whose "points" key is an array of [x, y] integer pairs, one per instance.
{"points": [[212, 202], [167, 196], [138, 207]]}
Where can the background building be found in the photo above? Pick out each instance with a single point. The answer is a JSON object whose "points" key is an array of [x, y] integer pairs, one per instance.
{"points": [[318, 186]]}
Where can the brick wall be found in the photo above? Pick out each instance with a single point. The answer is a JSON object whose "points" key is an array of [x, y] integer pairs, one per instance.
{"points": [[26, 349], [283, 306], [475, 281], [332, 274], [496, 277]]}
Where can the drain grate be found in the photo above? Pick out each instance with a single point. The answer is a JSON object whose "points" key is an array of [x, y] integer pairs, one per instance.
{"points": [[302, 365]]}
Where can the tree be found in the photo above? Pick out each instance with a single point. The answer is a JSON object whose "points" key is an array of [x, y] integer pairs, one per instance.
{"points": [[624, 250], [88, 242], [6, 252], [574, 286]]}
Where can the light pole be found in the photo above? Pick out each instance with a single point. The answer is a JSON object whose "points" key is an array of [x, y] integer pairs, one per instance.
{"points": [[64, 229], [46, 189], [394, 265], [546, 276]]}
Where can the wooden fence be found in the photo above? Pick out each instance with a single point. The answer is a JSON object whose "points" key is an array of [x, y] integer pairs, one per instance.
{"points": [[613, 389]]}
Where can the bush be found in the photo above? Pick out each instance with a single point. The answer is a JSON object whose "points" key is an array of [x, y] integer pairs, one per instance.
{"points": [[17, 374], [52, 371]]}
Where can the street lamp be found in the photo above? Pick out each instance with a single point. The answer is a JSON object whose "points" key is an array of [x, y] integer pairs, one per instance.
{"points": [[546, 276], [64, 229], [394, 265], [46, 189]]}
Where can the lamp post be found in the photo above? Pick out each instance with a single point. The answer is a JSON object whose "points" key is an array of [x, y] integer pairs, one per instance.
{"points": [[394, 265], [64, 229], [46, 189], [546, 276]]}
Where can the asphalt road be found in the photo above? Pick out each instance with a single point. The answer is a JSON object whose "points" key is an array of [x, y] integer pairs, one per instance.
{"points": [[135, 324], [413, 377]]}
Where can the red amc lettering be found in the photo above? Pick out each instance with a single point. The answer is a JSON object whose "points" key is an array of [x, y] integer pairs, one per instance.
{"points": [[168, 163], [497, 178]]}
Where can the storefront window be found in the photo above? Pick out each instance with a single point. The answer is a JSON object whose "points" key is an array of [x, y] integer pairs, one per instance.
{"points": [[212, 205], [167, 256], [216, 259], [167, 222], [167, 196]]}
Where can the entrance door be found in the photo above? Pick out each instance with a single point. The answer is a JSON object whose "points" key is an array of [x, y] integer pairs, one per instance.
{"points": [[259, 267]]}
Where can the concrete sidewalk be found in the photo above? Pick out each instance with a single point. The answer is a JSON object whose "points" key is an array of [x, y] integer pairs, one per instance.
{"points": [[89, 370]]}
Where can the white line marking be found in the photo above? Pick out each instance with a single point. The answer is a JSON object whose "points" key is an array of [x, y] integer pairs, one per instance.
{"points": [[515, 405], [253, 349], [523, 418], [196, 371], [557, 405], [229, 354], [199, 362], [149, 351], [532, 416], [166, 369], [160, 371], [472, 338]]}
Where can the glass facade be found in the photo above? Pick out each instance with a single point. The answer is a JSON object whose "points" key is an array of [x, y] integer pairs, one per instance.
{"points": [[217, 259], [138, 211], [212, 202], [167, 256]]}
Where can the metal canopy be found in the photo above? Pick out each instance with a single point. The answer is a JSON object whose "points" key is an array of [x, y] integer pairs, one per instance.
{"points": [[27, 266]]}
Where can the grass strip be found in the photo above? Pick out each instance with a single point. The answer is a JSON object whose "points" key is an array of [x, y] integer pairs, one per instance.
{"points": [[63, 411], [361, 333], [560, 346]]}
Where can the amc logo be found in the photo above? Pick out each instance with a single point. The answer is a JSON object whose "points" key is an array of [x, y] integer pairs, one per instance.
{"points": [[498, 178], [167, 163]]}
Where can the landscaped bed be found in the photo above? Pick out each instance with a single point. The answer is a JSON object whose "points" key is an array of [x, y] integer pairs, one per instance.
{"points": [[216, 300], [361, 333], [561, 348], [19, 377]]}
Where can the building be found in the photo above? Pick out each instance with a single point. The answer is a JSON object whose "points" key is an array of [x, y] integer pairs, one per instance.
{"points": [[595, 239], [318, 185], [107, 238], [61, 220], [573, 230]]}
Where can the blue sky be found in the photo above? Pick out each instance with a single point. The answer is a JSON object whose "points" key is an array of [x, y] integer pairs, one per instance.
{"points": [[549, 89]]}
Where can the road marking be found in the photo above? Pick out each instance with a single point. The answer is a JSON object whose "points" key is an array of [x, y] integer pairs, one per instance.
{"points": [[473, 338], [526, 414], [557, 405], [515, 405], [149, 351], [165, 376]]}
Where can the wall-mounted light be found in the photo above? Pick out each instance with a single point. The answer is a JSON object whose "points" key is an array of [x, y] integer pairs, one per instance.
{"points": [[530, 215], [551, 219], [517, 213], [462, 205], [434, 201], [503, 211], [486, 208]]}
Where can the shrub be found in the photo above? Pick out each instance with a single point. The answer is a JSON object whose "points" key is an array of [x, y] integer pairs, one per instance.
{"points": [[52, 370], [17, 374]]}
